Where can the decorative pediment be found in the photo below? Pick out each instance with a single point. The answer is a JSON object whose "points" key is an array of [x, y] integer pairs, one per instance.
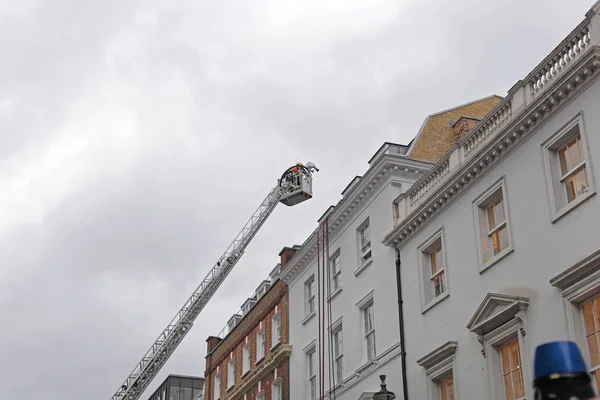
{"points": [[366, 396], [438, 355], [495, 310]]}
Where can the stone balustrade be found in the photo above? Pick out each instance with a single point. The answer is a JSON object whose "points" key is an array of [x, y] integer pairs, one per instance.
{"points": [[524, 93]]}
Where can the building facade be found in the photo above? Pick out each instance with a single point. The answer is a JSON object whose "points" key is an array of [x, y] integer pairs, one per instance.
{"points": [[179, 387], [343, 320], [499, 241], [250, 359]]}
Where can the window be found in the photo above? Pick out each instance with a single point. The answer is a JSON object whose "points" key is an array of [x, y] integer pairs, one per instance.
{"points": [[446, 385], [439, 369], [275, 329], [309, 296], [246, 357], [492, 219], [336, 273], [260, 344], [276, 389], [568, 172], [512, 372], [580, 285], [260, 395], [338, 354], [369, 321], [312, 374], [434, 287], [500, 324], [217, 387], [364, 242], [231, 373]]}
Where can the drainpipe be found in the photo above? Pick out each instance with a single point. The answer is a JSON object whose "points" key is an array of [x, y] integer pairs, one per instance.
{"points": [[401, 323]]}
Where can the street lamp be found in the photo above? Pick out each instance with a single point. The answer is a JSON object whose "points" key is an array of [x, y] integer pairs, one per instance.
{"points": [[383, 393]]}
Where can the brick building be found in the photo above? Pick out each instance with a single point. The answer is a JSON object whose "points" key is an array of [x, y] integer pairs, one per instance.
{"points": [[250, 360]]}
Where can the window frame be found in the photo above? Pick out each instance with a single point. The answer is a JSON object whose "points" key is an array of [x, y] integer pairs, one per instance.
{"points": [[338, 371], [438, 365], [231, 372], [362, 261], [363, 305], [429, 300], [217, 386], [311, 376], [335, 274], [552, 168], [246, 357], [480, 211], [309, 298], [277, 383], [261, 333], [579, 284], [275, 339]]}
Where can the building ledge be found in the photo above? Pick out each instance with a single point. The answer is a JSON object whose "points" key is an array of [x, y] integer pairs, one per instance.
{"points": [[283, 351]]}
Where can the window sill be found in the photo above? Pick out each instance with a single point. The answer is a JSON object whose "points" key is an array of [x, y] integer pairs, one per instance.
{"points": [[435, 301], [496, 259], [335, 293], [571, 206], [364, 266], [308, 317], [230, 387]]}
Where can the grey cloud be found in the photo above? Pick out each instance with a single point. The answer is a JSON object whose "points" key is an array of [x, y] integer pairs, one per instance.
{"points": [[174, 119]]}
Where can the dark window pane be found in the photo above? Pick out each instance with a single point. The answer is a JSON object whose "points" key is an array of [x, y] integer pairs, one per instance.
{"points": [[174, 381], [197, 384]]}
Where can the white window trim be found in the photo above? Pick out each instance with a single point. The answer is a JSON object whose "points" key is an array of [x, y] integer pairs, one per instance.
{"points": [[437, 364], [578, 284], [260, 356], [277, 382], [336, 327], [362, 264], [230, 380], [276, 316], [246, 367], [260, 395], [334, 290], [308, 349], [362, 304], [547, 148], [425, 306], [217, 393], [484, 198], [309, 314], [504, 323]]}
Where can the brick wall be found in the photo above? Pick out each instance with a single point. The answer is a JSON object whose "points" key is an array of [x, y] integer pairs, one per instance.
{"points": [[437, 136], [219, 352]]}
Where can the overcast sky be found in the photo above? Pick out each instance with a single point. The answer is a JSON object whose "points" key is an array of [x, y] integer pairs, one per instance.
{"points": [[138, 137]]}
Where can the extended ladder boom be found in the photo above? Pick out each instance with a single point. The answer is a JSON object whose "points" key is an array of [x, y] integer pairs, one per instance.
{"points": [[294, 187]]}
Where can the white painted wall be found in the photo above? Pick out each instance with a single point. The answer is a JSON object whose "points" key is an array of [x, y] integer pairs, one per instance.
{"points": [[542, 250], [380, 277]]}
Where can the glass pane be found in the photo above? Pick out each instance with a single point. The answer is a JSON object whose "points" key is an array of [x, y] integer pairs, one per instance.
{"points": [[508, 388], [505, 359], [518, 383], [588, 318], [515, 361], [592, 342], [438, 283], [564, 164], [580, 181], [443, 390], [174, 393], [570, 188], [499, 212], [433, 263], [496, 242], [597, 377], [580, 146], [491, 218], [596, 313], [574, 156], [439, 260]]}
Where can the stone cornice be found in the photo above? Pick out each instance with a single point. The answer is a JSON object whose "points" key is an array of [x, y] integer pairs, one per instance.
{"points": [[441, 353], [282, 352], [583, 73], [577, 272], [357, 197]]}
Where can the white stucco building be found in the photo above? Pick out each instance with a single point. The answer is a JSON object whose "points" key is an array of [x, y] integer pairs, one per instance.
{"points": [[500, 241], [359, 274]]}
